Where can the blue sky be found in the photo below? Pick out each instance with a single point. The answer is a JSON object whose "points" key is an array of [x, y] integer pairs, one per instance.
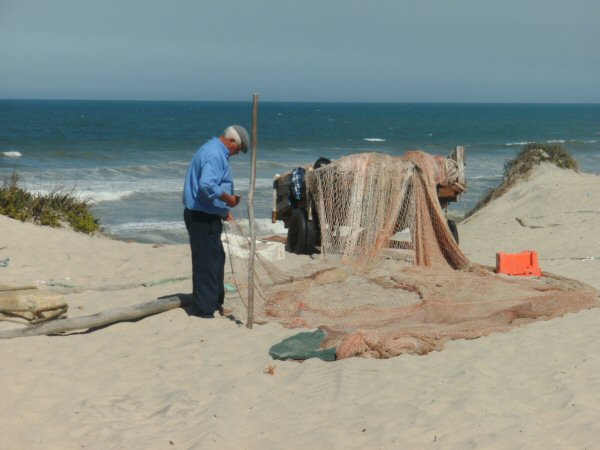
{"points": [[302, 50]]}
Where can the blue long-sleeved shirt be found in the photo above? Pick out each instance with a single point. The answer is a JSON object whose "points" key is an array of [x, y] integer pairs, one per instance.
{"points": [[207, 178]]}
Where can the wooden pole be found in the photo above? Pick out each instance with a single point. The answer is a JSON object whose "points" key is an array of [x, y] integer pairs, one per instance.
{"points": [[251, 213]]}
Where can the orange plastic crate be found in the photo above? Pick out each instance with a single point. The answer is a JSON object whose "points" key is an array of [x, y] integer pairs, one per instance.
{"points": [[523, 264]]}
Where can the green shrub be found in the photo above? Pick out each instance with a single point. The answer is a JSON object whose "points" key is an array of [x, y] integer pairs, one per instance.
{"points": [[520, 168], [55, 209]]}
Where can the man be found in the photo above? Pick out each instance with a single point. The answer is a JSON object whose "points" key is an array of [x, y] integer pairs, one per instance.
{"points": [[208, 197]]}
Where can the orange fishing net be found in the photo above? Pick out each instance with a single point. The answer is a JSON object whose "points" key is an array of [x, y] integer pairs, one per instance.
{"points": [[390, 278]]}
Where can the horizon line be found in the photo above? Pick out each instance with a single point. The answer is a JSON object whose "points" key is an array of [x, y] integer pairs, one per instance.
{"points": [[306, 101]]}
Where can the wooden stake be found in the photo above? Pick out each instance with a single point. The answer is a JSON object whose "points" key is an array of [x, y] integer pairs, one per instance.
{"points": [[251, 212]]}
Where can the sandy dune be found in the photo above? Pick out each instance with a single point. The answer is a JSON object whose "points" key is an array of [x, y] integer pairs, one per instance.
{"points": [[176, 381]]}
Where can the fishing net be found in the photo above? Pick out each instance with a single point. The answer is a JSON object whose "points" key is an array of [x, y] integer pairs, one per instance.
{"points": [[390, 278], [370, 202]]}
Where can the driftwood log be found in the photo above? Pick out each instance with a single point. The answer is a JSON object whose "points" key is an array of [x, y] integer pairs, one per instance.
{"points": [[97, 320]]}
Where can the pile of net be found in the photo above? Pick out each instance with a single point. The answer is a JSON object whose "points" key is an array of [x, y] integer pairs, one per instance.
{"points": [[390, 278]]}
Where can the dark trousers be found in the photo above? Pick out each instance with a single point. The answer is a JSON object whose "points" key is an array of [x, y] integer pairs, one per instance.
{"points": [[208, 259]]}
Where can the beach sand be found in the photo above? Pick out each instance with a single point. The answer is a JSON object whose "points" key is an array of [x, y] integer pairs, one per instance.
{"points": [[177, 381]]}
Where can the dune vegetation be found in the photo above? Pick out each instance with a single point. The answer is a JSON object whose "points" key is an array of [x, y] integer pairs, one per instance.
{"points": [[56, 209], [521, 167]]}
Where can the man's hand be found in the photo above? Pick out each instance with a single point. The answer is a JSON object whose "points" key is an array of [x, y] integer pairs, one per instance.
{"points": [[230, 218], [231, 200]]}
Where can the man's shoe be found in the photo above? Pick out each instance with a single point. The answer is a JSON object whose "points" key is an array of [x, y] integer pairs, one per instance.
{"points": [[224, 311]]}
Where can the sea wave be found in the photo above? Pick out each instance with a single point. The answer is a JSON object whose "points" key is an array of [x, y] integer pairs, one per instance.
{"points": [[95, 196], [156, 225], [554, 141], [12, 154], [509, 144], [260, 183], [584, 141], [140, 170], [103, 190], [263, 226], [104, 196], [270, 164], [485, 177], [374, 139]]}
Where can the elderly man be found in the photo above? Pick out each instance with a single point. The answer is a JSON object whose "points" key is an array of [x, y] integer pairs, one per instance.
{"points": [[208, 197]]}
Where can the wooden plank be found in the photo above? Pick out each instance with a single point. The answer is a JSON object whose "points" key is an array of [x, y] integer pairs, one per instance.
{"points": [[458, 155], [399, 254], [447, 193]]}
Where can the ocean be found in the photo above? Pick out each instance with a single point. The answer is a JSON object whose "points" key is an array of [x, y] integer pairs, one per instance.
{"points": [[130, 157]]}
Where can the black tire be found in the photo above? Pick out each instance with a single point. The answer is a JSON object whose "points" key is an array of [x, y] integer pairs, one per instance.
{"points": [[301, 234], [453, 229], [311, 239], [316, 225], [296, 229]]}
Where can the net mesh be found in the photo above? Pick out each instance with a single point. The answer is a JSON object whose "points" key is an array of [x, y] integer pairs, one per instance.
{"points": [[390, 278]]}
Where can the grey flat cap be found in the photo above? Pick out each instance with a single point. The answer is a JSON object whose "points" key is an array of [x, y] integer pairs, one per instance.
{"points": [[241, 131]]}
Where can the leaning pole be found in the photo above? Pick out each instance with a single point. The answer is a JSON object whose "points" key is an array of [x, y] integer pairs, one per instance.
{"points": [[251, 212]]}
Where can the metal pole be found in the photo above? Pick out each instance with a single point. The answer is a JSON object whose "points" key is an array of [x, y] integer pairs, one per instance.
{"points": [[251, 212]]}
